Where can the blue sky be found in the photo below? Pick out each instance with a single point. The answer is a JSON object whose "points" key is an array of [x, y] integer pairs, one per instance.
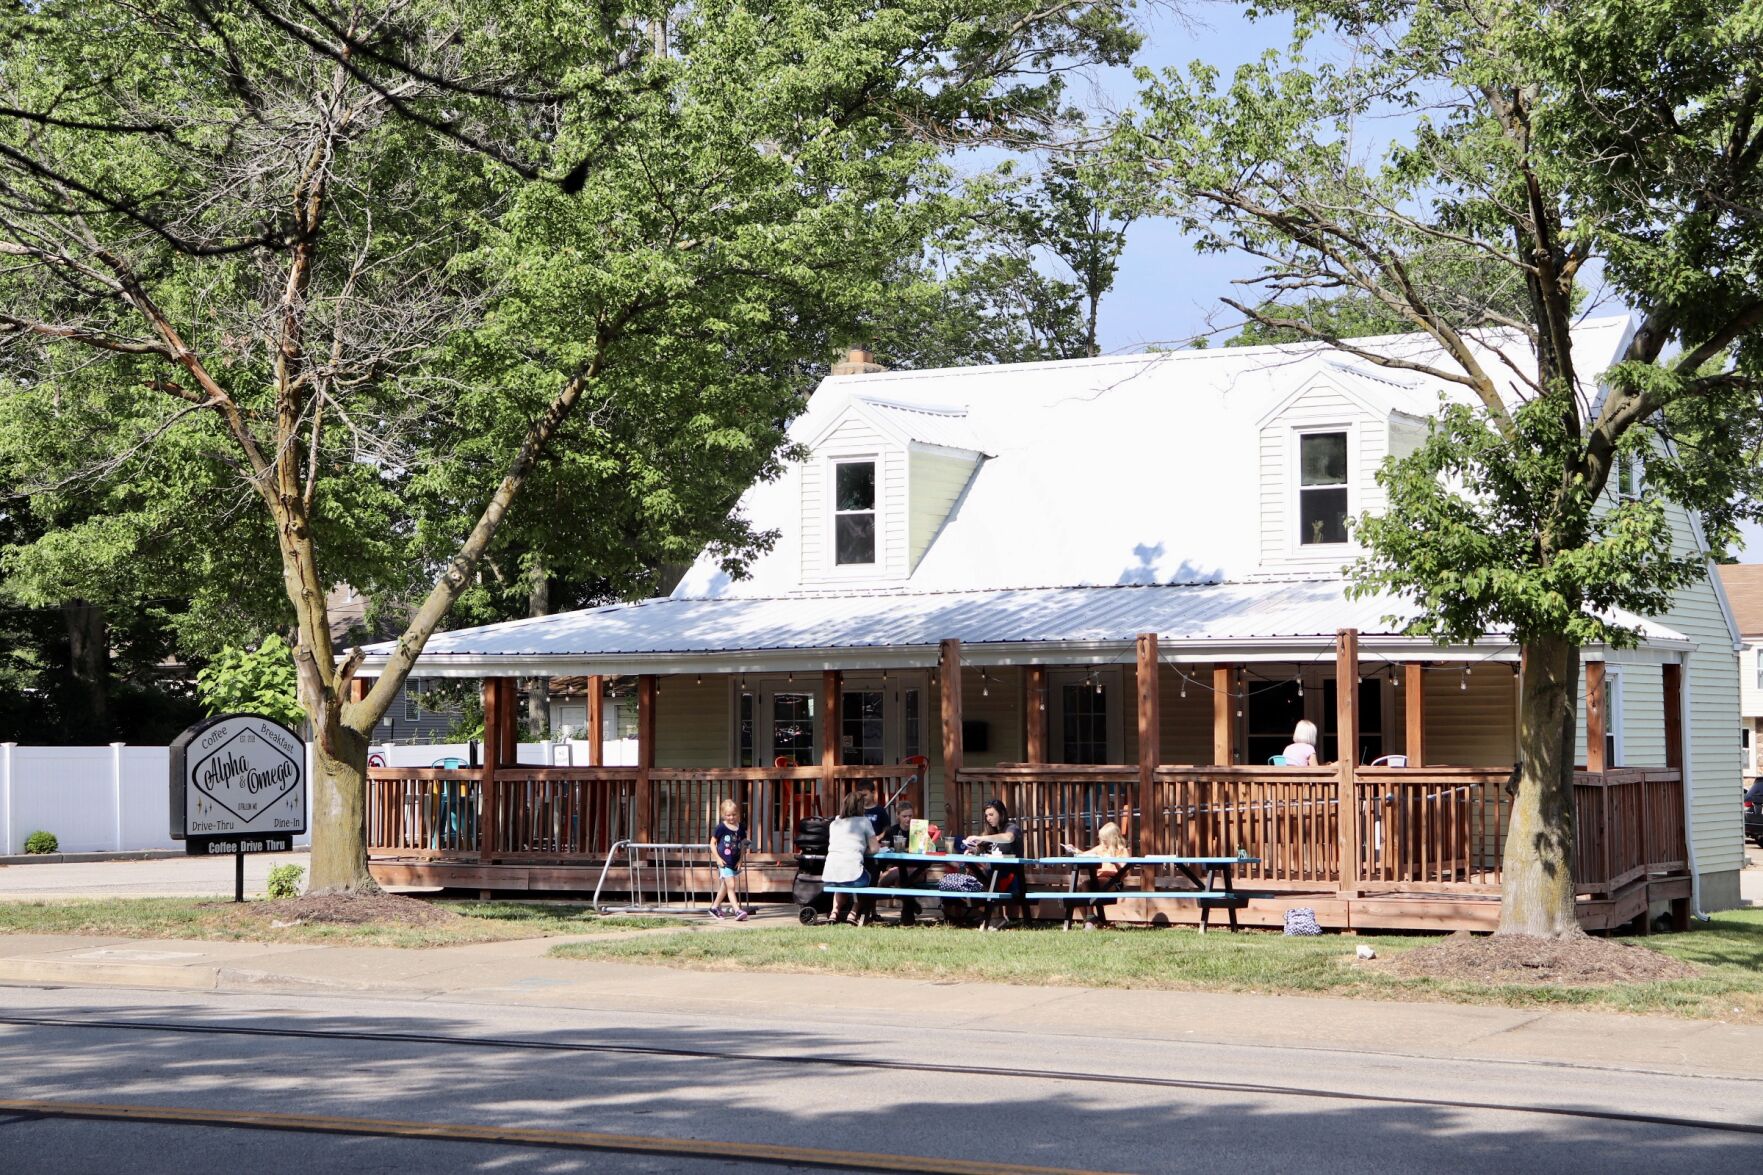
{"points": [[1165, 291]]}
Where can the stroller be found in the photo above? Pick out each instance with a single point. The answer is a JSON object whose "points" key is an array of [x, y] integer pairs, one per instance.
{"points": [[808, 891]]}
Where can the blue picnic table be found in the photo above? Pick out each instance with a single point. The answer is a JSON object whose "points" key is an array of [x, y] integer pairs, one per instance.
{"points": [[1217, 887]]}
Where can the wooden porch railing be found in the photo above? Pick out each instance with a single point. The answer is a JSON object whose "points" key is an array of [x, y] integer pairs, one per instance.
{"points": [[1052, 803], [552, 813], [1627, 823], [1421, 830], [1425, 830], [422, 811], [1289, 817]]}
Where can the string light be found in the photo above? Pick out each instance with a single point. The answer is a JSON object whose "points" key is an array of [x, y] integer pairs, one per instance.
{"points": [[700, 679], [1300, 680]]}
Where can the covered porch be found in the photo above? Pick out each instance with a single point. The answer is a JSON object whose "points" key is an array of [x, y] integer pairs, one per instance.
{"points": [[1414, 842]]}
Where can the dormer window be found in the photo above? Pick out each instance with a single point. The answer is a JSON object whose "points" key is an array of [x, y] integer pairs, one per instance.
{"points": [[1322, 488], [853, 512]]}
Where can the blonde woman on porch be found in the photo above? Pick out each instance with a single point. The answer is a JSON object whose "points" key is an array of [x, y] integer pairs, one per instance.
{"points": [[1302, 750]]}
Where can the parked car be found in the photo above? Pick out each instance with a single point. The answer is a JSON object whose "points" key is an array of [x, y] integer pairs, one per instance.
{"points": [[1754, 812]]}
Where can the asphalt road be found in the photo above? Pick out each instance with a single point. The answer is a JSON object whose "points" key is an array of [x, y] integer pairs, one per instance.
{"points": [[1107, 1103]]}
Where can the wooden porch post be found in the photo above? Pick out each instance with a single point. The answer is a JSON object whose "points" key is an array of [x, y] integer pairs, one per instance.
{"points": [[1673, 717], [1150, 746], [1346, 670], [596, 720], [1035, 699], [510, 711], [832, 700], [645, 753], [1596, 721], [1414, 685], [491, 690], [1673, 675], [359, 687], [1224, 722], [950, 695]]}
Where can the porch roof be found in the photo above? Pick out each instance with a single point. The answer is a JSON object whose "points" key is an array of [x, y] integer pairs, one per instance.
{"points": [[1261, 620]]}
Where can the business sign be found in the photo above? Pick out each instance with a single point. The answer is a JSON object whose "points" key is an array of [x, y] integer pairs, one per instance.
{"points": [[238, 785]]}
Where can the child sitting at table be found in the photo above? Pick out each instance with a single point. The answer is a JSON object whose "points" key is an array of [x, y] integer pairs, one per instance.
{"points": [[726, 840], [1111, 846]]}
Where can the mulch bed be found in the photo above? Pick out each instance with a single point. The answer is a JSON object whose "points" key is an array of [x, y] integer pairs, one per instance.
{"points": [[346, 910], [1515, 959]]}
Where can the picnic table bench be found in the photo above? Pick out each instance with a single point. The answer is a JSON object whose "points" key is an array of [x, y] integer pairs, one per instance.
{"points": [[1206, 892]]}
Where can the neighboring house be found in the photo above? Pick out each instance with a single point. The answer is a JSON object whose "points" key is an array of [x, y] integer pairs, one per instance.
{"points": [[412, 717], [1744, 588], [1044, 516]]}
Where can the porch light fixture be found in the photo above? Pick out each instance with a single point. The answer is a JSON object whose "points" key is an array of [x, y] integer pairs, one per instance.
{"points": [[1300, 680]]}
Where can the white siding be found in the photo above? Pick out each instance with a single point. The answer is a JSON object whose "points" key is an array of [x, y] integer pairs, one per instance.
{"points": [[1711, 732], [1750, 666], [936, 482], [1318, 406]]}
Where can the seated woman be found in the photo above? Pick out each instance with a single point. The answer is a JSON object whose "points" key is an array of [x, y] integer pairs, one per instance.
{"points": [[1302, 751], [850, 840], [1111, 846], [1006, 835]]}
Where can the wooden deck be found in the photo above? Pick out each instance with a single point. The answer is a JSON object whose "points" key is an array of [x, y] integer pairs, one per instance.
{"points": [[1413, 848]]}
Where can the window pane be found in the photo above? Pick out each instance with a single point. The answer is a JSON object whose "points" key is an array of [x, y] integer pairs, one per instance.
{"points": [[861, 737], [855, 538], [1084, 737], [912, 742], [856, 485], [1324, 459], [746, 737], [1323, 516], [792, 727]]}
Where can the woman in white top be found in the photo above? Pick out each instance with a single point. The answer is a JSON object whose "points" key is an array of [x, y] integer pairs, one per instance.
{"points": [[1302, 751], [849, 841]]}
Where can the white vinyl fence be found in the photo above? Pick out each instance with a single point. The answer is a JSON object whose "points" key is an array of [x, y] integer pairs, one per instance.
{"points": [[118, 798]]}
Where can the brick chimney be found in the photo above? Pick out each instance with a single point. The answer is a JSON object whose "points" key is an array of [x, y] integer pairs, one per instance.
{"points": [[857, 361]]}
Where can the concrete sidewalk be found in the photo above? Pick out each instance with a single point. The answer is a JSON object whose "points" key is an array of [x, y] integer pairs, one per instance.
{"points": [[507, 973], [175, 876]]}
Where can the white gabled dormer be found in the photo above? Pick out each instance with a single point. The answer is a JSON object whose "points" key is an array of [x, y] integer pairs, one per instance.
{"points": [[881, 479], [1320, 449]]}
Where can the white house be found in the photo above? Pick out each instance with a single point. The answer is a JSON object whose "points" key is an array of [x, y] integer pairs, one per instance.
{"points": [[1133, 561], [1743, 583]]}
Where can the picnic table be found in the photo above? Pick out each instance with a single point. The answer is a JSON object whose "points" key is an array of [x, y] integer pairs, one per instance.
{"points": [[1206, 891]]}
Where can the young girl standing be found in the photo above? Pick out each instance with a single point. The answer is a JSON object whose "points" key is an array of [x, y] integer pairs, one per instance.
{"points": [[726, 840]]}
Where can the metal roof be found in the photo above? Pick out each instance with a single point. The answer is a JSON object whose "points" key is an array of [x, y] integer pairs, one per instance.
{"points": [[1265, 620]]}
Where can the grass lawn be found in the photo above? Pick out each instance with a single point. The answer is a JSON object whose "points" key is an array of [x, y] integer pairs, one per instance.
{"points": [[216, 918], [1731, 947]]}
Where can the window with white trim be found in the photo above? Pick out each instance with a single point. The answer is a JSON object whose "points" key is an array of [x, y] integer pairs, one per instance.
{"points": [[1322, 488], [853, 513], [1612, 717], [1628, 476]]}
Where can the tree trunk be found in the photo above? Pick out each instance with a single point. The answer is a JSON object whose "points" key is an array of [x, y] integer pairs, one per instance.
{"points": [[1536, 894], [88, 642], [339, 807], [538, 689]]}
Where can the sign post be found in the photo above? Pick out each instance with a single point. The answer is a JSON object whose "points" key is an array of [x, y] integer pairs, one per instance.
{"points": [[238, 785]]}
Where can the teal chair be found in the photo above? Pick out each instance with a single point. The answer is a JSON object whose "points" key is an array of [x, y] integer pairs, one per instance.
{"points": [[1276, 760]]}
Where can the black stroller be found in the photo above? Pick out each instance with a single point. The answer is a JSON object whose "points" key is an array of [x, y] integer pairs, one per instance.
{"points": [[809, 893]]}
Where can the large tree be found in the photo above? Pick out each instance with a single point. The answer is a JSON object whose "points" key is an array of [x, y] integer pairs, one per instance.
{"points": [[1555, 142], [377, 259]]}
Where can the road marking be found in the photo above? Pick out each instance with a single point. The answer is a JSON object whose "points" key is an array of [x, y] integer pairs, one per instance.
{"points": [[756, 1152]]}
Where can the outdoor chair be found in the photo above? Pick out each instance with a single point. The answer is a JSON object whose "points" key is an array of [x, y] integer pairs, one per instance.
{"points": [[1390, 761], [1276, 761]]}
